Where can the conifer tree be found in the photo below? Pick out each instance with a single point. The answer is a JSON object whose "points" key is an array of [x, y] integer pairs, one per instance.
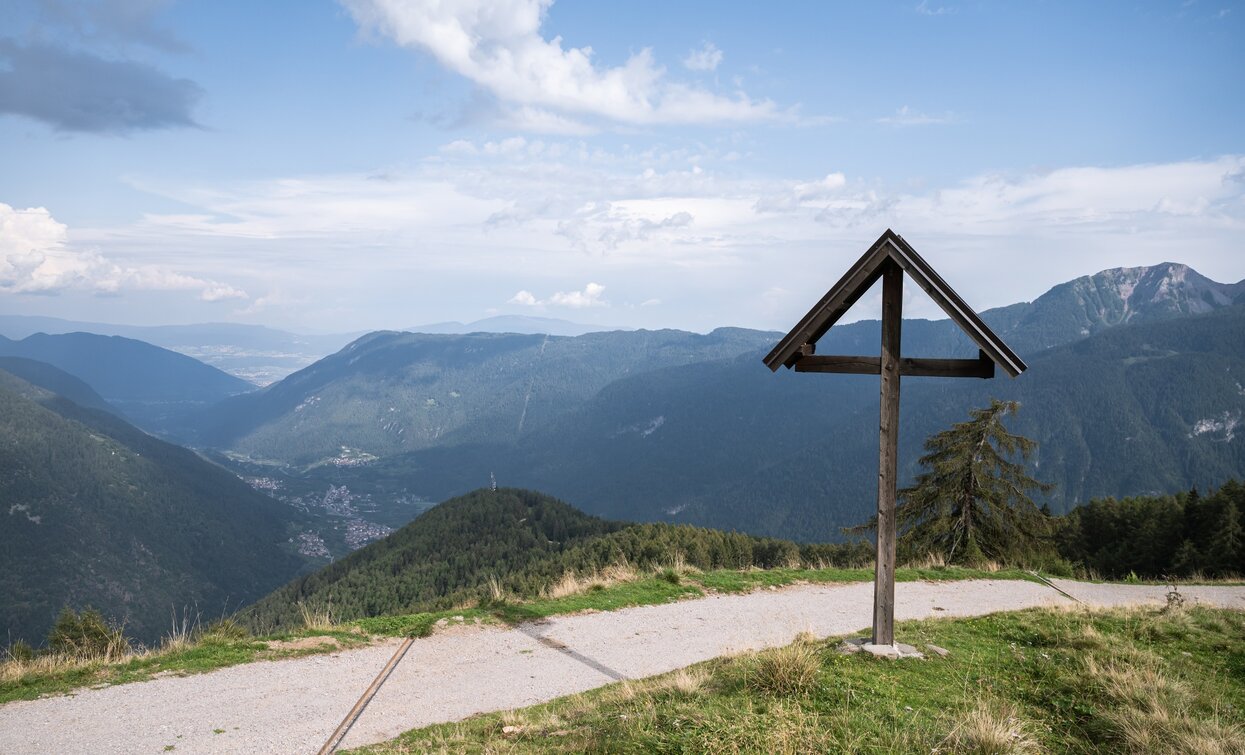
{"points": [[972, 503], [1187, 560], [1227, 543]]}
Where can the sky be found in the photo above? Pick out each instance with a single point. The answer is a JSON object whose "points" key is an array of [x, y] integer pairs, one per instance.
{"points": [[327, 166]]}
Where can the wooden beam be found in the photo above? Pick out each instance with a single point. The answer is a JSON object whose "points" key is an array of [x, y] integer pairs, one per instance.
{"points": [[888, 452], [982, 367], [849, 365]]}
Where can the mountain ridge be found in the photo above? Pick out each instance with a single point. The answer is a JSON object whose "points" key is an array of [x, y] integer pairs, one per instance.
{"points": [[100, 513]]}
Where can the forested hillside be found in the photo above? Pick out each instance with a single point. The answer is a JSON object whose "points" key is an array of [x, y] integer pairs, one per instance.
{"points": [[387, 392], [520, 539], [55, 380], [1137, 409], [96, 512]]}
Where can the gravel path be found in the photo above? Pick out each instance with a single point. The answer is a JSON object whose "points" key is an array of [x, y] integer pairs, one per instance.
{"points": [[292, 706]]}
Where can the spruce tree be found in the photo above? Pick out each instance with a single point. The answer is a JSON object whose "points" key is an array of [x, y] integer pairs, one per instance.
{"points": [[972, 503], [1227, 544], [1187, 561]]}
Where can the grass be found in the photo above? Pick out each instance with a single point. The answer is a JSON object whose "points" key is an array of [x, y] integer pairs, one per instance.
{"points": [[187, 650], [58, 674], [1036, 681]]}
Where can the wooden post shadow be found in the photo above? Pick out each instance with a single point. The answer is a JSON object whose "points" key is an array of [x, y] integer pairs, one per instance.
{"points": [[890, 258]]}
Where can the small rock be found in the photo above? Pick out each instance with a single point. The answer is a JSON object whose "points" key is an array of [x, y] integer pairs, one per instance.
{"points": [[881, 651], [940, 652], [853, 645], [457, 618], [511, 731]]}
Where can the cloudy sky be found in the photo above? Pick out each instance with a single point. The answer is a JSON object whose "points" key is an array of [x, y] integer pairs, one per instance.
{"points": [[337, 166]]}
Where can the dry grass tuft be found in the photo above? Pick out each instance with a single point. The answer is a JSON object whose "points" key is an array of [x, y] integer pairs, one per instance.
{"points": [[184, 633], [790, 670], [991, 731], [318, 618], [685, 681], [928, 561], [574, 584], [1152, 712]]}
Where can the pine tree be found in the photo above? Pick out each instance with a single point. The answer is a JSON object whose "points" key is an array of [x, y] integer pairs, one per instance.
{"points": [[973, 501], [1227, 544], [1187, 560]]}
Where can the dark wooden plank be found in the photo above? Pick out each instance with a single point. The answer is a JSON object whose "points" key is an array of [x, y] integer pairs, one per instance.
{"points": [[888, 452], [854, 283], [849, 365], [963, 315], [982, 367], [890, 247]]}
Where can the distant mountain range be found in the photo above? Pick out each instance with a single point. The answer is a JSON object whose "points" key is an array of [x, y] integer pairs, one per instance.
{"points": [[1136, 385], [525, 324], [254, 353], [96, 512], [705, 434], [151, 386], [392, 392]]}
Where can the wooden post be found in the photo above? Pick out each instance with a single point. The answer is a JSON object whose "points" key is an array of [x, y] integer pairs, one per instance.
{"points": [[884, 576]]}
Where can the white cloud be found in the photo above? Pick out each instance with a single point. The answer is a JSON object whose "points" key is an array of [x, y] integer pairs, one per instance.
{"points": [[474, 218], [906, 116], [524, 298], [498, 45], [924, 9], [589, 297], [707, 58], [36, 258]]}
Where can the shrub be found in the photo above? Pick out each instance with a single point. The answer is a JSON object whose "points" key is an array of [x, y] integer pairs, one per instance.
{"points": [[87, 634], [226, 629]]}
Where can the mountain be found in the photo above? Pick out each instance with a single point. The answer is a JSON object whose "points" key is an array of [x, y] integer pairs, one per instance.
{"points": [[1138, 408], [97, 512], [515, 324], [391, 392], [251, 352], [49, 378], [520, 539], [1091, 304], [148, 384]]}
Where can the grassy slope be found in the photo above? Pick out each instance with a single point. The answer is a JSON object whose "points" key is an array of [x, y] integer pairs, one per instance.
{"points": [[1137, 680]]}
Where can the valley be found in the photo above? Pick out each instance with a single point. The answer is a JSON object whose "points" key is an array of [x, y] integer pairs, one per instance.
{"points": [[1134, 389]]}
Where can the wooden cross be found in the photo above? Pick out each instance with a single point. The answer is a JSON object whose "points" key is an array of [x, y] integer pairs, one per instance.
{"points": [[890, 258]]}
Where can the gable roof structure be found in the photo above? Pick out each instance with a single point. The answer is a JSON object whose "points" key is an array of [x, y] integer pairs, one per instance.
{"points": [[890, 246]]}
